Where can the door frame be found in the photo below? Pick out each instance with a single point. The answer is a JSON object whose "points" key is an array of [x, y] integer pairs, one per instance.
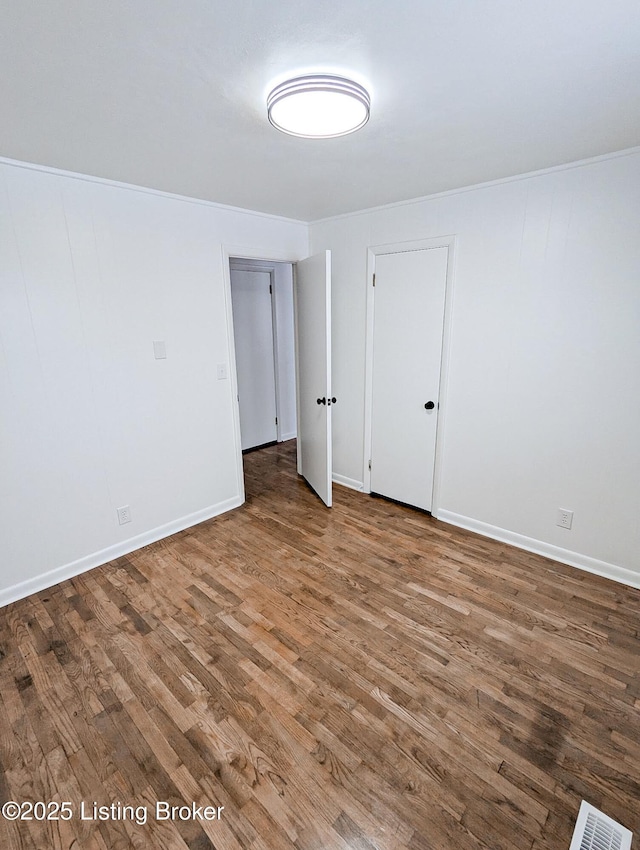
{"points": [[236, 264], [374, 251], [242, 252]]}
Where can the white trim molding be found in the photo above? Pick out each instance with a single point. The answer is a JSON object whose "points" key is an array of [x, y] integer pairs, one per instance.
{"points": [[487, 184], [351, 483], [623, 575], [98, 559], [146, 190]]}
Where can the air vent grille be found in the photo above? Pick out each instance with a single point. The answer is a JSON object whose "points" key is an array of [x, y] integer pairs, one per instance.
{"points": [[596, 831]]}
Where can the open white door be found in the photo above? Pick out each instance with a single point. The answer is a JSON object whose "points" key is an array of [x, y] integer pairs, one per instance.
{"points": [[313, 338]]}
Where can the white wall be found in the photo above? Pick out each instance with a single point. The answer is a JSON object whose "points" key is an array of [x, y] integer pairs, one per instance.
{"points": [[543, 399], [90, 275]]}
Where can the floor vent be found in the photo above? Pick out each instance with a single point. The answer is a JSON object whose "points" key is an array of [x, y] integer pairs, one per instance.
{"points": [[596, 831]]}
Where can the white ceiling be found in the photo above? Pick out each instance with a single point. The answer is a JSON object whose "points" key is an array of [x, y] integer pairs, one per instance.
{"points": [[170, 94]]}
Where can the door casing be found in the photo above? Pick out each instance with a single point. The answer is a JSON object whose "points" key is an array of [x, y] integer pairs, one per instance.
{"points": [[266, 255], [248, 253], [251, 265], [273, 361], [448, 242]]}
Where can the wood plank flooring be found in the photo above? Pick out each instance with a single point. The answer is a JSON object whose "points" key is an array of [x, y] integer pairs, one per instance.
{"points": [[359, 678]]}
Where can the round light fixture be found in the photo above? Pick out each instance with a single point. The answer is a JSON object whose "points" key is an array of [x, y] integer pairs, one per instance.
{"points": [[318, 106]]}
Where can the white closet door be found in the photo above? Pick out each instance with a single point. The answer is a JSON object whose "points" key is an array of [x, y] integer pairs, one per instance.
{"points": [[313, 337], [253, 332], [409, 297]]}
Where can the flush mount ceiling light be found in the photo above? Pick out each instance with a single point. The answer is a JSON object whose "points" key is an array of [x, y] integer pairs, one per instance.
{"points": [[318, 106]]}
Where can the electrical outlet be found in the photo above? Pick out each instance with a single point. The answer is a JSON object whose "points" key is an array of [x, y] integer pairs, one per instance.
{"points": [[124, 514], [565, 518]]}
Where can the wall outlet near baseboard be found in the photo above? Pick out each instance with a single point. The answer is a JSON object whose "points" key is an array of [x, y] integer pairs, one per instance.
{"points": [[124, 514], [565, 518]]}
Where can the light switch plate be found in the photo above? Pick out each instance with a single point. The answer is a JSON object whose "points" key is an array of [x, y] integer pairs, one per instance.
{"points": [[160, 349]]}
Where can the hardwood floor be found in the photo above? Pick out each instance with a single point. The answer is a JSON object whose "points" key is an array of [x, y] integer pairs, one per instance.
{"points": [[359, 678]]}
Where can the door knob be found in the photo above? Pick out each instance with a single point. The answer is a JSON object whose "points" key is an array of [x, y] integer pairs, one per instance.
{"points": [[322, 400], [429, 405]]}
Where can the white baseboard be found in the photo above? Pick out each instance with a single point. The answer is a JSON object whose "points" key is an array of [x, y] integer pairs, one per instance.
{"points": [[565, 556], [97, 559], [348, 482], [285, 437]]}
